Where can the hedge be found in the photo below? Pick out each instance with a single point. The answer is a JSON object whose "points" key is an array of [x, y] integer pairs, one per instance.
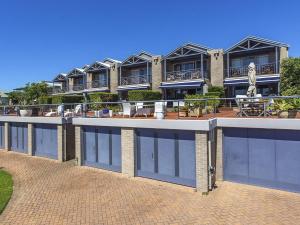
{"points": [[45, 100], [143, 95], [103, 97], [59, 99], [217, 89]]}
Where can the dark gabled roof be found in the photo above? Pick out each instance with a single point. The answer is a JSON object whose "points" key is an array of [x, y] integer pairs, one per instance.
{"points": [[253, 42], [96, 66], [76, 72], [111, 61], [188, 49], [60, 77], [142, 57]]}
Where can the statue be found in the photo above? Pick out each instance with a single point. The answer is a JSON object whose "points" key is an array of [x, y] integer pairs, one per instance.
{"points": [[252, 80]]}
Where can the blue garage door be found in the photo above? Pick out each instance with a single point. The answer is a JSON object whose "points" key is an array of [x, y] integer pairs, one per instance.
{"points": [[45, 142], [263, 157], [19, 137], [2, 145], [167, 155], [102, 147]]}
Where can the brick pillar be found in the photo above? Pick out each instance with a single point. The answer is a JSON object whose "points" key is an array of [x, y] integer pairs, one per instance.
{"points": [[156, 73], [283, 54], [216, 67], [114, 77], [128, 151], [60, 143], [7, 136], [219, 158], [201, 161], [89, 79], [71, 84], [78, 146], [30, 138]]}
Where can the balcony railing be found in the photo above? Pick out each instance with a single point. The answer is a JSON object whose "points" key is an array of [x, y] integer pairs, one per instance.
{"points": [[261, 69], [135, 79], [185, 75], [59, 90], [97, 84], [76, 87]]}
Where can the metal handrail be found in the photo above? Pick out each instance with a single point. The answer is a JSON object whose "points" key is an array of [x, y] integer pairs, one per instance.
{"points": [[97, 84], [185, 75], [77, 87], [135, 79], [261, 69]]}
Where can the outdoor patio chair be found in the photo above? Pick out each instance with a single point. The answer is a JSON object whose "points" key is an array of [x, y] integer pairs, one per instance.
{"points": [[160, 109], [76, 112], [239, 99], [128, 109]]}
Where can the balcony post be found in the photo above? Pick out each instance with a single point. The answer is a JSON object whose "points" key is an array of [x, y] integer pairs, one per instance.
{"points": [[227, 61], [148, 80], [165, 69], [106, 77], [276, 59], [120, 75], [202, 74]]}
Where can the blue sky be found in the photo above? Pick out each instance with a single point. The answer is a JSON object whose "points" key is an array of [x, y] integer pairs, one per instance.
{"points": [[39, 39]]}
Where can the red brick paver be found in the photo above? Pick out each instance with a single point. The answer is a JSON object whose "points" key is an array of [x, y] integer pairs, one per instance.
{"points": [[48, 192]]}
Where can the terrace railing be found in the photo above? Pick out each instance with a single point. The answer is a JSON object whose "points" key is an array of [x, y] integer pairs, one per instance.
{"points": [[135, 79], [185, 75], [261, 69], [60, 90], [97, 84], [76, 87]]}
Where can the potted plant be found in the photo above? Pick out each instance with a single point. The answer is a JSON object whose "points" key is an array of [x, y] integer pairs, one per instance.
{"points": [[183, 111], [285, 109], [195, 108]]}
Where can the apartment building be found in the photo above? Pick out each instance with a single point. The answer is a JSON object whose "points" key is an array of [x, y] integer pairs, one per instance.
{"points": [[184, 70]]}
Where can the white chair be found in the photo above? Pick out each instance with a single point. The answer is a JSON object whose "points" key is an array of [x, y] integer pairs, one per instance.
{"points": [[51, 113], [159, 110], [139, 105], [76, 112], [127, 109], [181, 104]]}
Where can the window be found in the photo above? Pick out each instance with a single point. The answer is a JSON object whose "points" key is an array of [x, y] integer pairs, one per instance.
{"points": [[262, 59], [236, 63], [184, 66]]}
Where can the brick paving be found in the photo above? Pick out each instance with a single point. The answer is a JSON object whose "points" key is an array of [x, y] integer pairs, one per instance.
{"points": [[48, 192]]}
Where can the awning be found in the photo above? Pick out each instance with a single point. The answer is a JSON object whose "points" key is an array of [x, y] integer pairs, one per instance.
{"points": [[133, 87], [259, 80], [194, 84]]}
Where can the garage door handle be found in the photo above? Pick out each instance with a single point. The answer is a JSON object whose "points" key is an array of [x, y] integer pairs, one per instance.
{"points": [[152, 155]]}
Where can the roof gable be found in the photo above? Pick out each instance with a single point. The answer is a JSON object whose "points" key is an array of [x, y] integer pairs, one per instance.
{"points": [[252, 43], [60, 77], [188, 49], [96, 66], [136, 59], [76, 72]]}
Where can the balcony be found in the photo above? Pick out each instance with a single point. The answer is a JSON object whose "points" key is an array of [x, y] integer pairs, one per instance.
{"points": [[262, 69], [97, 84], [185, 75], [134, 79], [76, 87], [59, 90]]}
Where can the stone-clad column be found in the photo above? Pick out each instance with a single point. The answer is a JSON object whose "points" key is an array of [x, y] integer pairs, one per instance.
{"points": [[7, 136], [216, 67], [201, 138], [60, 143], [78, 145], [30, 138], [128, 151], [114, 76], [219, 158], [156, 73]]}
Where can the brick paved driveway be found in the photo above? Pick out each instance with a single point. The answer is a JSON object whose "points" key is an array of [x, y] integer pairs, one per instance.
{"points": [[47, 192]]}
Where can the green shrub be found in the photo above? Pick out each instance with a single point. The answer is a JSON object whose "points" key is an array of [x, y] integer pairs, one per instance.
{"points": [[59, 99], [213, 94], [143, 95], [289, 79], [45, 100], [194, 104], [217, 89], [103, 97]]}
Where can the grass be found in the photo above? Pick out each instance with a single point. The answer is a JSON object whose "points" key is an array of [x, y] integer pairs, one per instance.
{"points": [[6, 189]]}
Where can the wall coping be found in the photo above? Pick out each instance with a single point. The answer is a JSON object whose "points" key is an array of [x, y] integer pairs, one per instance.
{"points": [[200, 125], [44, 120], [267, 123]]}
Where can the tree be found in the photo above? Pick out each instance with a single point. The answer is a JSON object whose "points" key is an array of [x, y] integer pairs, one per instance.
{"points": [[31, 93], [290, 77]]}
